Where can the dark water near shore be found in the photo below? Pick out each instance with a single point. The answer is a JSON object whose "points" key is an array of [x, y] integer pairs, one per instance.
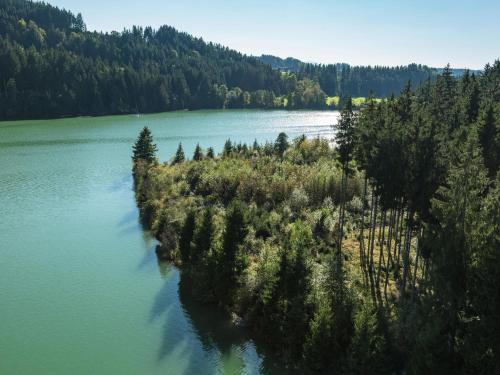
{"points": [[81, 290]]}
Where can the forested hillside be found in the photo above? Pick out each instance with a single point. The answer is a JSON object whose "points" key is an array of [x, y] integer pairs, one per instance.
{"points": [[346, 80], [378, 256], [51, 66]]}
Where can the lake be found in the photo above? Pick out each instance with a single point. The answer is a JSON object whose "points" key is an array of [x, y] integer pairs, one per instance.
{"points": [[81, 289]]}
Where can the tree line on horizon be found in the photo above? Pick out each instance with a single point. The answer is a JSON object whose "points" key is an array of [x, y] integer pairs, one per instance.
{"points": [[51, 66], [380, 255]]}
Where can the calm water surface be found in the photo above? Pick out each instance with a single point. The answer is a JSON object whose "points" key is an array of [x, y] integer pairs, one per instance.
{"points": [[81, 291]]}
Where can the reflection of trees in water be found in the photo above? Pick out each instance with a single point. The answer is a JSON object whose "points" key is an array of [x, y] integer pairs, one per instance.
{"points": [[177, 342], [218, 334], [224, 347]]}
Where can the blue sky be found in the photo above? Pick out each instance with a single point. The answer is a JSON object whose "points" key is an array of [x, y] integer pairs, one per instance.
{"points": [[359, 32]]}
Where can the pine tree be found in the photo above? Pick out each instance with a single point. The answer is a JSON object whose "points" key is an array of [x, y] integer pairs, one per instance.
{"points": [[231, 262], [344, 138], [342, 307], [186, 238], [256, 146], [490, 139], [210, 153], [456, 209], [203, 237], [179, 155], [228, 148], [144, 148], [198, 154], [281, 144]]}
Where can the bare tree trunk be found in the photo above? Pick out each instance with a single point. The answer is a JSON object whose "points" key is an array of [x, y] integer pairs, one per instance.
{"points": [[371, 246], [381, 249], [362, 253], [342, 207], [390, 262], [414, 282], [406, 253], [400, 237], [396, 229]]}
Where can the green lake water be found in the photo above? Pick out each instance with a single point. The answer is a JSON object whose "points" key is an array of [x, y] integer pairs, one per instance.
{"points": [[81, 290]]}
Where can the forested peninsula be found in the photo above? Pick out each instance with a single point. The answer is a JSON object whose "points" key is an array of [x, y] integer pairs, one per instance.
{"points": [[51, 66], [377, 255]]}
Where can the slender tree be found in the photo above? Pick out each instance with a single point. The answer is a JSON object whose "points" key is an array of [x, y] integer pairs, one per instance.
{"points": [[179, 155], [281, 144], [198, 153], [186, 238], [231, 262], [210, 153], [344, 139]]}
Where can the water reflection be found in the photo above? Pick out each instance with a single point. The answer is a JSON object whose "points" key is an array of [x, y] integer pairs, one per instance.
{"points": [[205, 337]]}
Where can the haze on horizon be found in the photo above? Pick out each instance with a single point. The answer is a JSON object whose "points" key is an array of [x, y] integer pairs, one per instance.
{"points": [[360, 32]]}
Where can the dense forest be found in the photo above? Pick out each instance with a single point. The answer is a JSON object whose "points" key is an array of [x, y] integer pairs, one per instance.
{"points": [[379, 254], [355, 81], [51, 66]]}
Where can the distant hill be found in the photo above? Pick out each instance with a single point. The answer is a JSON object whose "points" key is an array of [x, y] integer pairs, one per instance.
{"points": [[51, 66], [291, 64], [343, 79], [459, 72]]}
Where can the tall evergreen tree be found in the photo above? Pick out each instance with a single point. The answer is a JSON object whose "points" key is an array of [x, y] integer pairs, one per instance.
{"points": [[489, 136], [210, 153], [179, 155], [198, 153], [203, 237], [228, 148], [456, 208], [231, 262], [281, 144], [186, 238], [144, 148], [344, 139]]}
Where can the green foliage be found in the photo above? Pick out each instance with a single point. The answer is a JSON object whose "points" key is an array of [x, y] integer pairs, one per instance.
{"points": [[281, 144], [370, 351], [210, 153], [344, 133], [144, 148], [186, 238], [231, 262], [413, 181], [228, 148], [489, 136], [179, 155], [204, 237], [198, 153]]}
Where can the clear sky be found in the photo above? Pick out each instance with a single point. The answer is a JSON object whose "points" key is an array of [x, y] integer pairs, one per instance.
{"points": [[359, 32]]}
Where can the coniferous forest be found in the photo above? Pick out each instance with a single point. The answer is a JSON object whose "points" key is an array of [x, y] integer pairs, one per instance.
{"points": [[374, 252], [51, 66], [379, 253]]}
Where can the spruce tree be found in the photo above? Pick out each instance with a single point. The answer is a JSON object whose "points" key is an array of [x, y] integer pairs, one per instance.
{"points": [[231, 261], [210, 153], [457, 218], [186, 238], [179, 155], [198, 154], [344, 138], [144, 148], [490, 139], [256, 146], [228, 148], [203, 237]]}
